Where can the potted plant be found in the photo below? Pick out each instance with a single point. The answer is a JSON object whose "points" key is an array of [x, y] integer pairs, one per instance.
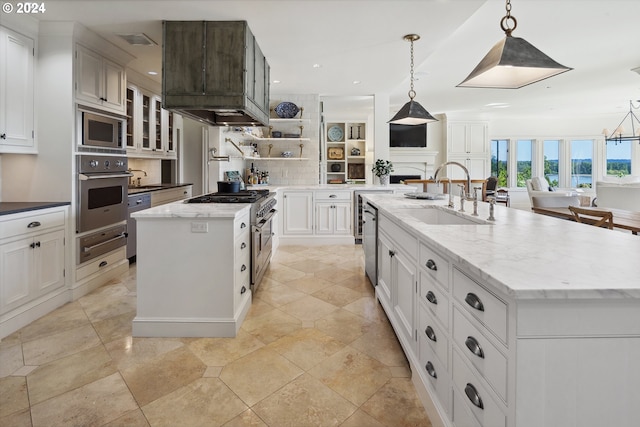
{"points": [[382, 169]]}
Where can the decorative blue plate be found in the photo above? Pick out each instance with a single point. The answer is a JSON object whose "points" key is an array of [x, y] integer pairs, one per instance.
{"points": [[286, 110], [335, 133]]}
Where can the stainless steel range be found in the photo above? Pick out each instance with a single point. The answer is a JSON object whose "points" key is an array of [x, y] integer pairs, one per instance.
{"points": [[262, 215]]}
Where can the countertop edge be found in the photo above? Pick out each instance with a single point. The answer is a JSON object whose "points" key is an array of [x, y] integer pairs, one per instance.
{"points": [[8, 208]]}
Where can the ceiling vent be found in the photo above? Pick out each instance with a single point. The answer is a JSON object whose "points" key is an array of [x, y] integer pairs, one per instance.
{"points": [[138, 39]]}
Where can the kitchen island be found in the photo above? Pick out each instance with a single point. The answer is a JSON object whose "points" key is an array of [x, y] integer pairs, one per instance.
{"points": [[193, 273], [523, 321]]}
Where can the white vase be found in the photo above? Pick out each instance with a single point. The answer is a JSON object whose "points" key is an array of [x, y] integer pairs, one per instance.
{"points": [[384, 180]]}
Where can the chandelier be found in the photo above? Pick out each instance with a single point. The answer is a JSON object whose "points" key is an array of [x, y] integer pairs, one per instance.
{"points": [[617, 135], [512, 62], [412, 113]]}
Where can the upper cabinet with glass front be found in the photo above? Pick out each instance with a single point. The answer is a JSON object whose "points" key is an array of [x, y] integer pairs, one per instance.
{"points": [[17, 133]]}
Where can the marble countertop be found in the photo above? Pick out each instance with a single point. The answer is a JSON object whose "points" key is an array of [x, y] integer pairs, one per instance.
{"points": [[194, 210], [7, 208], [529, 256], [395, 187]]}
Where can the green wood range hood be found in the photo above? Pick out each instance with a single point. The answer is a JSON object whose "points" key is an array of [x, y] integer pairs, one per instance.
{"points": [[215, 72]]}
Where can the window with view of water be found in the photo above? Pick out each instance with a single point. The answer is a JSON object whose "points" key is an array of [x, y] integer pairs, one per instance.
{"points": [[619, 158], [500, 160], [551, 151], [524, 153], [581, 163]]}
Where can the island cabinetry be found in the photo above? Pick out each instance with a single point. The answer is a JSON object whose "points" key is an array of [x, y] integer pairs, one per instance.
{"points": [[99, 81], [193, 273], [333, 212], [298, 212], [161, 197], [16, 93], [32, 264], [397, 272]]}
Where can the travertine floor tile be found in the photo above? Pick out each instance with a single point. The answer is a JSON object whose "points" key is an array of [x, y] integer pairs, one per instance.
{"points": [[282, 273], [309, 284], [333, 274], [396, 404], [382, 344], [369, 308], [17, 419], [130, 419], [258, 307], [96, 404], [359, 283], [52, 347], [13, 395], [308, 266], [163, 375], [304, 402], [286, 258], [361, 419], [221, 351], [204, 402], [306, 347], [69, 373], [338, 295], [10, 359], [278, 296], [271, 326], [308, 308], [131, 351], [343, 325], [258, 374], [69, 316], [108, 301], [352, 374], [246, 419], [115, 327]]}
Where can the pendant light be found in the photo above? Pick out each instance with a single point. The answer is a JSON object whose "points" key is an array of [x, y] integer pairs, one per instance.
{"points": [[512, 63], [412, 113], [618, 136]]}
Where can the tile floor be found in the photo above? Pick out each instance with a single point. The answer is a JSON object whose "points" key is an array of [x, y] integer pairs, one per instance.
{"points": [[316, 349]]}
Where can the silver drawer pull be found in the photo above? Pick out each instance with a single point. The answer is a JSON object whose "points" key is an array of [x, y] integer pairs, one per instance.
{"points": [[103, 264], [243, 290], [332, 196], [431, 297], [34, 224], [473, 395], [243, 245], [473, 300], [243, 268], [430, 334], [473, 346], [430, 370], [243, 225], [431, 265]]}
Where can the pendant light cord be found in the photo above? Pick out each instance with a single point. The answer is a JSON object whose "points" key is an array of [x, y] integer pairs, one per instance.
{"points": [[412, 93]]}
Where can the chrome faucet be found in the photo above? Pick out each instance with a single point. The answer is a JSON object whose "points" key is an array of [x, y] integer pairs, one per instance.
{"points": [[450, 205], [462, 197], [464, 168]]}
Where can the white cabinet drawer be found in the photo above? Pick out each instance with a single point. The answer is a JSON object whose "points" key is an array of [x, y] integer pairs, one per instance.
{"points": [[462, 415], [333, 195], [31, 223], [100, 263], [405, 240], [437, 375], [434, 299], [241, 224], [435, 265], [485, 409], [489, 362], [430, 333], [483, 305], [243, 246]]}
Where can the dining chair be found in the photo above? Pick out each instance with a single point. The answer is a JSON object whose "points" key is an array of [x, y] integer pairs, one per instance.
{"points": [[595, 217]]}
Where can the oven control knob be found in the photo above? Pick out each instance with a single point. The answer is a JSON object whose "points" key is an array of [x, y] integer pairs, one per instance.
{"points": [[93, 163], [119, 163], [107, 163]]}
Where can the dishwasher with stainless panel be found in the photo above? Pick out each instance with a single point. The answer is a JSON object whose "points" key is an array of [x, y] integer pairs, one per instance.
{"points": [[136, 202], [370, 241]]}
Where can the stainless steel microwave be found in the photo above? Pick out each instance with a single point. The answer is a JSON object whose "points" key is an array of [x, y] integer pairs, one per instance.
{"points": [[102, 131]]}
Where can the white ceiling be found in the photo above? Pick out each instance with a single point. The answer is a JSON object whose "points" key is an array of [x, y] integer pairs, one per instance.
{"points": [[362, 40]]}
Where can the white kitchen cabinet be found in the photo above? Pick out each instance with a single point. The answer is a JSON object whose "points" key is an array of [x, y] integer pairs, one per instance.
{"points": [[468, 143], [17, 132], [32, 259], [99, 81], [297, 212], [161, 197], [333, 212]]}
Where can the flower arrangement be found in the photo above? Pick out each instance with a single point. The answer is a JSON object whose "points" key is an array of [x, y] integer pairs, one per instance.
{"points": [[382, 168]]}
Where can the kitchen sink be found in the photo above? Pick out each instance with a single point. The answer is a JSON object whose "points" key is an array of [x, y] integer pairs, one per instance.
{"points": [[440, 216], [145, 187]]}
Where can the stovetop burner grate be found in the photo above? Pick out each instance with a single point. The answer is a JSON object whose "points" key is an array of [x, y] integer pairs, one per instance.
{"points": [[249, 196]]}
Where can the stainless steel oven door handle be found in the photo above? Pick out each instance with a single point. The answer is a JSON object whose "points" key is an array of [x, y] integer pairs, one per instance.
{"points": [[267, 218], [113, 239], [85, 177]]}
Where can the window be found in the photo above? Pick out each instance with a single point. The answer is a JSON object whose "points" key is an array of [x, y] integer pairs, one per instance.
{"points": [[618, 158], [581, 163], [499, 160], [524, 153], [551, 151]]}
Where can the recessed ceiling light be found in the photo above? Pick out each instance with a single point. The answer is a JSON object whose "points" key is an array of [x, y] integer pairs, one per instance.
{"points": [[497, 105], [152, 73], [276, 82], [356, 82], [317, 66], [138, 39]]}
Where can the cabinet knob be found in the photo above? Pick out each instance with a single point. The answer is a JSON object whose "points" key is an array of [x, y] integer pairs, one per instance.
{"points": [[473, 346], [431, 265], [430, 370], [243, 290], [243, 245], [473, 395], [3, 136], [391, 253], [430, 334], [431, 297], [473, 300], [243, 268]]}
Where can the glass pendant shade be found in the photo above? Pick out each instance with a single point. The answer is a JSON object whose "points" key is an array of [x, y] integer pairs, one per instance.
{"points": [[511, 64]]}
